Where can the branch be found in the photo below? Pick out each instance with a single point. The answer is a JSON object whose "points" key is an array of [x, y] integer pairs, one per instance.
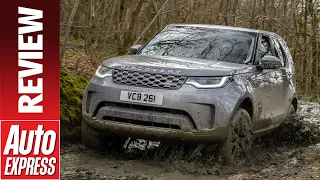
{"points": [[154, 18]]}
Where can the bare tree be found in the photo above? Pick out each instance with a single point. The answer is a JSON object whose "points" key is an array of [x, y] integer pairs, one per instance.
{"points": [[66, 35], [104, 28]]}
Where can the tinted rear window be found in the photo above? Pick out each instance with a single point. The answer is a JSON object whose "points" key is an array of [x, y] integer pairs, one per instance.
{"points": [[203, 43]]}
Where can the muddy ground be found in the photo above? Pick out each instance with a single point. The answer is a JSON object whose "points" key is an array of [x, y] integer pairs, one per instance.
{"points": [[293, 152]]}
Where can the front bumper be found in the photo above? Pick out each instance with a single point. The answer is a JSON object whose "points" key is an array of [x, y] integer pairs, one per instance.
{"points": [[186, 114], [154, 133]]}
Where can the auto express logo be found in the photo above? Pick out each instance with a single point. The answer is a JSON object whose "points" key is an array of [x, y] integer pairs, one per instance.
{"points": [[151, 69]]}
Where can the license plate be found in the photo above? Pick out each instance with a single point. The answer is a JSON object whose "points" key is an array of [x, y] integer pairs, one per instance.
{"points": [[147, 98]]}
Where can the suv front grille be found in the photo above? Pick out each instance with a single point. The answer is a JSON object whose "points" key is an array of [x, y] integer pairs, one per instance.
{"points": [[148, 79]]}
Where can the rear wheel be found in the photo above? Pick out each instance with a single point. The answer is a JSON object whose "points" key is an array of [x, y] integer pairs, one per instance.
{"points": [[237, 145], [292, 111]]}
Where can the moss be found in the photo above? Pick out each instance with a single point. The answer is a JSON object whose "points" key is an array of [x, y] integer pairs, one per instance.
{"points": [[306, 97], [71, 92], [309, 176], [317, 164]]}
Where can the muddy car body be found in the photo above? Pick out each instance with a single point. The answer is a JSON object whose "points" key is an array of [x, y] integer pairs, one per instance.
{"points": [[193, 83]]}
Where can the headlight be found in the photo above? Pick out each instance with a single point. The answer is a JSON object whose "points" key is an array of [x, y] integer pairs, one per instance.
{"points": [[208, 82], [103, 71]]}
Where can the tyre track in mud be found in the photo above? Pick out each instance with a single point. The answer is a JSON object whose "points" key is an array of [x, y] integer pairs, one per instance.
{"points": [[293, 152]]}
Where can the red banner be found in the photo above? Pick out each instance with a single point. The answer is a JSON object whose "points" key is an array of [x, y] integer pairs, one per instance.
{"points": [[29, 89]]}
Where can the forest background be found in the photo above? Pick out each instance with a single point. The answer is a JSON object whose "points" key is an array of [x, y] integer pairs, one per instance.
{"points": [[95, 30]]}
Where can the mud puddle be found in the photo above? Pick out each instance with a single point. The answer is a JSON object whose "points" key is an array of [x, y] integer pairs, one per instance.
{"points": [[293, 152]]}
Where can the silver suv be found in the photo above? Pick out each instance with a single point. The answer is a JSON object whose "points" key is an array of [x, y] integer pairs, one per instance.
{"points": [[200, 83]]}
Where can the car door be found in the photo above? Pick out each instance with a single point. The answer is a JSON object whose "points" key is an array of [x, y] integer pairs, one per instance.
{"points": [[281, 85], [289, 65], [288, 77], [267, 84]]}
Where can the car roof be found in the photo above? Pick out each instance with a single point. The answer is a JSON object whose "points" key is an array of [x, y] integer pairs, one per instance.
{"points": [[228, 28]]}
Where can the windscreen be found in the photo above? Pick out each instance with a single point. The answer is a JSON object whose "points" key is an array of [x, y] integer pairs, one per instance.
{"points": [[202, 43]]}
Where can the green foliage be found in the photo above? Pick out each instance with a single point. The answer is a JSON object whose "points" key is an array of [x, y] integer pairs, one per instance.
{"points": [[71, 92], [308, 97]]}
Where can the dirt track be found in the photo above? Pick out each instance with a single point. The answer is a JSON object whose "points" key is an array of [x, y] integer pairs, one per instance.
{"points": [[294, 153]]}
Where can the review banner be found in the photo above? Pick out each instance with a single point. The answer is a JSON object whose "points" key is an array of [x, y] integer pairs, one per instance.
{"points": [[29, 89]]}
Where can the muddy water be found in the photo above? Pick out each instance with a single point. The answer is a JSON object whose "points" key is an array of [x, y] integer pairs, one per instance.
{"points": [[82, 164], [296, 155]]}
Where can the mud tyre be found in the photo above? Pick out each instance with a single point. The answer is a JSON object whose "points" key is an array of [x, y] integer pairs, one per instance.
{"points": [[92, 138], [291, 112], [95, 140], [237, 145]]}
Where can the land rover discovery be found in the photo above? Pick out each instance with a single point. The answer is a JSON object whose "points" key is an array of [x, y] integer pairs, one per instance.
{"points": [[199, 83]]}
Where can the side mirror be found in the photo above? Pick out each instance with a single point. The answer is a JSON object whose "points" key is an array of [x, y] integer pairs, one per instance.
{"points": [[135, 48], [271, 62]]}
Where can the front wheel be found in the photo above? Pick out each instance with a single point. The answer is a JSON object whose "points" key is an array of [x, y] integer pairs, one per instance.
{"points": [[92, 139], [237, 145], [95, 140]]}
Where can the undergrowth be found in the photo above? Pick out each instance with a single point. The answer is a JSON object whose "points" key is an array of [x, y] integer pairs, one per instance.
{"points": [[72, 88]]}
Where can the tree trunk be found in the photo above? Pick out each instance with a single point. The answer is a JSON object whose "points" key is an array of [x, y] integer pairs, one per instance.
{"points": [[305, 37], [66, 35], [253, 13]]}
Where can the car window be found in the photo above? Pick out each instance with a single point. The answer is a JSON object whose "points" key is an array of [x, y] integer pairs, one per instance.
{"points": [[278, 51], [283, 51], [287, 54], [203, 43], [265, 47]]}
